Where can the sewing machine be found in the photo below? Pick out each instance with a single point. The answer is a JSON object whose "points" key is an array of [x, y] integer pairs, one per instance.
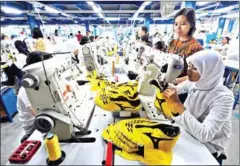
{"points": [[52, 92], [156, 64]]}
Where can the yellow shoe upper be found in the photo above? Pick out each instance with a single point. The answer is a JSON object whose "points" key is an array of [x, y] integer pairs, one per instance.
{"points": [[119, 97], [163, 105], [144, 140]]}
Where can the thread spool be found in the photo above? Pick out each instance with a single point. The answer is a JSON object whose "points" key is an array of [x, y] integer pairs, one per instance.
{"points": [[55, 154], [113, 68]]}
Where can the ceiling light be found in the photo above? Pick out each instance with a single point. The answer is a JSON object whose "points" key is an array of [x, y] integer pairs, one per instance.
{"points": [[51, 10], [64, 14], [11, 10], [2, 19], [156, 19], [90, 3], [142, 7], [96, 9], [232, 15], [138, 18], [75, 21], [202, 3], [147, 3], [201, 15], [112, 18], [225, 9], [208, 7], [100, 15]]}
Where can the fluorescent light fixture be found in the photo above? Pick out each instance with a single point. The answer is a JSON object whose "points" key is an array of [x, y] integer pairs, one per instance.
{"points": [[137, 18], [51, 10], [95, 8], [207, 7], [142, 7], [225, 9], [10, 10], [202, 3], [112, 18], [100, 15], [64, 14], [36, 8], [232, 15], [156, 19], [90, 3], [202, 15], [207, 13], [147, 3]]}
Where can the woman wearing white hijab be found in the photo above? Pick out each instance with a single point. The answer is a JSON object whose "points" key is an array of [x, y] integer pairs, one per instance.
{"points": [[206, 113]]}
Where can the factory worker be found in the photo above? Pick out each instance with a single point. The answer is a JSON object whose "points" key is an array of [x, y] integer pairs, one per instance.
{"points": [[185, 45], [41, 44], [72, 45], [159, 45], [224, 47], [233, 52], [26, 113], [76, 48], [206, 113], [22, 54], [12, 68]]}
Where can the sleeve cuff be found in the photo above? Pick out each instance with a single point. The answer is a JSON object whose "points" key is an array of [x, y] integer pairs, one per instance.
{"points": [[179, 118]]}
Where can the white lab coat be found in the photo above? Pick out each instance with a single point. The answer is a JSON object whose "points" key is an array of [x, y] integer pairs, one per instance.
{"points": [[21, 60], [25, 116], [233, 51], [209, 104]]}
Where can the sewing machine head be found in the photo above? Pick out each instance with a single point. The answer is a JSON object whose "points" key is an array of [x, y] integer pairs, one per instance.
{"points": [[171, 66], [161, 66], [51, 93]]}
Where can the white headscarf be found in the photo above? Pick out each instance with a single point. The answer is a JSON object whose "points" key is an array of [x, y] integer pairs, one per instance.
{"points": [[210, 86], [210, 66]]}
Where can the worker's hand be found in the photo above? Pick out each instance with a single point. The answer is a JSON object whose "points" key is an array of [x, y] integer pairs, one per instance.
{"points": [[171, 94]]}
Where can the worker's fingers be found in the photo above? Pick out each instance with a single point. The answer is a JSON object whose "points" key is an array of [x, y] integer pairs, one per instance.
{"points": [[168, 93]]}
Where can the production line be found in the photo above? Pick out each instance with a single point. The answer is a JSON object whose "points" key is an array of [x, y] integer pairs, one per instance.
{"points": [[81, 118], [119, 83]]}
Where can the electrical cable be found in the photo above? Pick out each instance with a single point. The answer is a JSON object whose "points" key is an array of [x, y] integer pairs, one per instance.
{"points": [[39, 15], [47, 79]]}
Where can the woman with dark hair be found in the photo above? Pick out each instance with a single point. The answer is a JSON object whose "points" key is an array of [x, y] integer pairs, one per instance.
{"points": [[13, 69], [207, 112], [84, 40], [185, 45], [224, 47], [37, 33], [21, 47], [40, 44], [159, 46]]}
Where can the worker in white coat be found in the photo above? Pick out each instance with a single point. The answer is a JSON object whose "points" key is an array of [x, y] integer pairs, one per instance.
{"points": [[206, 113], [26, 113]]}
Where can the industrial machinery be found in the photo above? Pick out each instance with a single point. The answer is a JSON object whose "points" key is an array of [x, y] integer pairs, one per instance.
{"points": [[169, 72], [52, 92]]}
